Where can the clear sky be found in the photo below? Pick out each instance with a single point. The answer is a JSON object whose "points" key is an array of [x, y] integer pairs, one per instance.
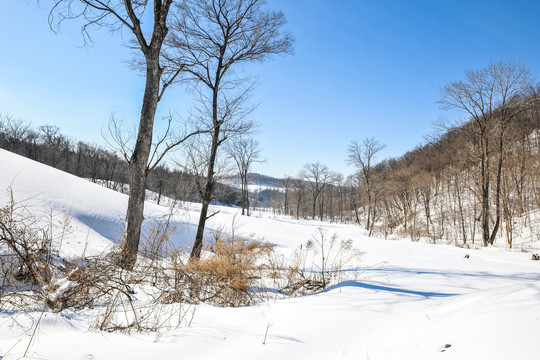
{"points": [[360, 69]]}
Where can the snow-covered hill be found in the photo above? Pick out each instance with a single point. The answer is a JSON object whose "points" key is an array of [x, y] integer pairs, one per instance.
{"points": [[256, 183], [411, 300]]}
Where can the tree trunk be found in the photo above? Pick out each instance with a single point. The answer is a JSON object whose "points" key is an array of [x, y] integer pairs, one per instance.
{"points": [[461, 215], [197, 246], [209, 188], [485, 193], [298, 207], [243, 192], [356, 210], [138, 166], [247, 201], [314, 206], [368, 223], [498, 190]]}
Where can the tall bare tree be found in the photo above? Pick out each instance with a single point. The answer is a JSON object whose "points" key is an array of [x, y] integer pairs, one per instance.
{"points": [[149, 40], [245, 151], [491, 97], [213, 38], [362, 156]]}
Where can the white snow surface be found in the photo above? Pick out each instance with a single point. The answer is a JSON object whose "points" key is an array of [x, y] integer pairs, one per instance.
{"points": [[412, 301], [252, 188]]}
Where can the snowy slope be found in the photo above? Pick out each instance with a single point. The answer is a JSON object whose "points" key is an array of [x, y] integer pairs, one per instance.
{"points": [[410, 301]]}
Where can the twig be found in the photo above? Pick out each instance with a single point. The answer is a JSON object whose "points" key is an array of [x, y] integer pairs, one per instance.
{"points": [[35, 329], [266, 333], [11, 348]]}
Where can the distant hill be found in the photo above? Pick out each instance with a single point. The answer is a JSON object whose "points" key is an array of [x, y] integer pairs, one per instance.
{"points": [[257, 182]]}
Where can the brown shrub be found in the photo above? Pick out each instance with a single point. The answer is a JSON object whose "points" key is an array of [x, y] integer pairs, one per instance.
{"points": [[229, 276]]}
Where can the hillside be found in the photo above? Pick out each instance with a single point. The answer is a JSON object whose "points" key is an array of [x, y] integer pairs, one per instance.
{"points": [[256, 182], [407, 301]]}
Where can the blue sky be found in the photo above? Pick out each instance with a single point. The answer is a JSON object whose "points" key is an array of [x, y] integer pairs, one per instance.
{"points": [[360, 69]]}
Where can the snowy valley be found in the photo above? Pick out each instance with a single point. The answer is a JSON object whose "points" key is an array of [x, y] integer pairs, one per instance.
{"points": [[407, 300]]}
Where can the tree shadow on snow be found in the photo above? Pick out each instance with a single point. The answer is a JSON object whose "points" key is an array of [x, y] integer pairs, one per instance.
{"points": [[532, 276], [391, 289]]}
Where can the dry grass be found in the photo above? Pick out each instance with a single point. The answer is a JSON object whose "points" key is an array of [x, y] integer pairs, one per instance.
{"points": [[322, 261], [230, 275]]}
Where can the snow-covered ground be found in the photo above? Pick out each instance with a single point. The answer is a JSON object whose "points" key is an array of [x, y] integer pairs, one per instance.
{"points": [[411, 300], [252, 188]]}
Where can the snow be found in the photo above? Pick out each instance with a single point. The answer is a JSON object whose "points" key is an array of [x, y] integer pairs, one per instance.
{"points": [[252, 188], [410, 301]]}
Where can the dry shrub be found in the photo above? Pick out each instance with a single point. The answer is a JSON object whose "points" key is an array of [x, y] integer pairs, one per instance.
{"points": [[125, 313], [229, 276], [134, 300], [323, 261], [238, 272], [88, 282], [28, 257], [155, 245], [26, 248], [127, 300]]}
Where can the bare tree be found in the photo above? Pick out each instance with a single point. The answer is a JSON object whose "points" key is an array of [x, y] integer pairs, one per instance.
{"points": [[212, 38], [362, 156], [194, 161], [287, 184], [491, 97], [299, 190], [15, 132], [317, 176], [245, 151], [128, 14]]}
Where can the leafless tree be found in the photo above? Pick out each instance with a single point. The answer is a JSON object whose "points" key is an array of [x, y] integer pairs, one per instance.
{"points": [[212, 38], [245, 151], [299, 191], [149, 36], [15, 132], [492, 97], [317, 176], [362, 156], [194, 161], [287, 183]]}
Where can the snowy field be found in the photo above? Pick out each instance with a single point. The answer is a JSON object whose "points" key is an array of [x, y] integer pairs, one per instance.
{"points": [[411, 300]]}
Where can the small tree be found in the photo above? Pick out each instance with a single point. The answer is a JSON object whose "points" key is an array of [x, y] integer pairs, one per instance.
{"points": [[316, 176], [362, 157], [287, 184], [299, 194], [244, 152]]}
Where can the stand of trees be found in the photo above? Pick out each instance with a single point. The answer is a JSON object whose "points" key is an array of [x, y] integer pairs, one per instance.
{"points": [[477, 182], [46, 144]]}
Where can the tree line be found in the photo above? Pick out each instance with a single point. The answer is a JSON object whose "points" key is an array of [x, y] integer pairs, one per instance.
{"points": [[48, 145], [474, 182]]}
